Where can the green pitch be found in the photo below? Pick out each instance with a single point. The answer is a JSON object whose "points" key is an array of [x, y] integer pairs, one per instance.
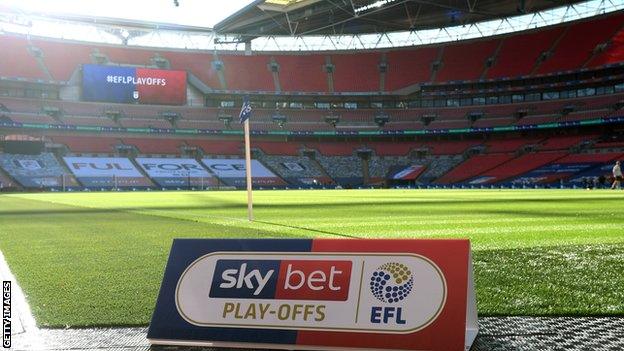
{"points": [[98, 258]]}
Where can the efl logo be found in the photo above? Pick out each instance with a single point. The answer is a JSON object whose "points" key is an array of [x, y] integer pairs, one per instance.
{"points": [[282, 279]]}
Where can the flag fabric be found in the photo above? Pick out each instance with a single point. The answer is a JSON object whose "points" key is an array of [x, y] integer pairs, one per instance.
{"points": [[245, 112]]}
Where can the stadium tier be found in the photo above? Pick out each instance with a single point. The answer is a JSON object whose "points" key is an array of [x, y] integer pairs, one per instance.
{"points": [[499, 110], [95, 162], [563, 48]]}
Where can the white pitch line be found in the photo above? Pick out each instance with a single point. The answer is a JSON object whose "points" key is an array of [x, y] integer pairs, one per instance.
{"points": [[22, 319]]}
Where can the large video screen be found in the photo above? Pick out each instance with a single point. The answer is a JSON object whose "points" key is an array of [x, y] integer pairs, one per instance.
{"points": [[130, 85]]}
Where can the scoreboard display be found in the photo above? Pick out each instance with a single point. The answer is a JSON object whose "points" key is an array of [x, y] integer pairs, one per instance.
{"points": [[133, 85]]}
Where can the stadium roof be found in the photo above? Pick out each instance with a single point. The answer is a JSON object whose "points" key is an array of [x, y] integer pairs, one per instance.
{"points": [[331, 17], [153, 34]]}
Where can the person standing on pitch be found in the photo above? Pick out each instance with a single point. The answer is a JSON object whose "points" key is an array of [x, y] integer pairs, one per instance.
{"points": [[617, 176]]}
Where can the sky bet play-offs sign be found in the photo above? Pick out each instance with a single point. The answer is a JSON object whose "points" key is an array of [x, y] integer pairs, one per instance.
{"points": [[317, 294], [129, 84]]}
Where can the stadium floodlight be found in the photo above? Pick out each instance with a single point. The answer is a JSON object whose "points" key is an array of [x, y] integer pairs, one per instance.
{"points": [[372, 6]]}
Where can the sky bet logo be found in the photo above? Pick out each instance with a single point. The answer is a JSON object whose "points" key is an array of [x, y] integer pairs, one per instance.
{"points": [[282, 279]]}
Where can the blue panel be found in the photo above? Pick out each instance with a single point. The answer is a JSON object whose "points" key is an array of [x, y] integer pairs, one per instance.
{"points": [[108, 83], [166, 321], [244, 272]]}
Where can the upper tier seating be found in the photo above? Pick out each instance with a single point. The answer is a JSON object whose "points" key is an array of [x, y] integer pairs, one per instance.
{"points": [[408, 67], [578, 43], [17, 61], [572, 46], [613, 53], [465, 61], [518, 54], [248, 73], [302, 73], [356, 75]]}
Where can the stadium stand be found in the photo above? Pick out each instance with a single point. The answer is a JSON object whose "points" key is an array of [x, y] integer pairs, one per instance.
{"points": [[438, 166], [278, 147], [248, 73], [408, 67], [6, 183], [85, 144], [21, 64], [573, 47], [520, 165], [473, 167], [345, 170], [303, 73], [60, 65], [509, 145], [465, 61], [577, 44], [613, 53], [297, 171], [218, 147], [563, 142], [360, 75], [37, 171], [155, 146], [519, 53]]}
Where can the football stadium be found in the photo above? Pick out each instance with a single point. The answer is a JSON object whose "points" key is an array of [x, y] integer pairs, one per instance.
{"points": [[467, 151]]}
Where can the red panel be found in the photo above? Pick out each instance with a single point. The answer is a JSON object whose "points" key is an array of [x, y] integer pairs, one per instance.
{"points": [[445, 333], [169, 87]]}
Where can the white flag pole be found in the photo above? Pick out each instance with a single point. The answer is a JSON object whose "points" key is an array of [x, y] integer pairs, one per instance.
{"points": [[248, 172]]}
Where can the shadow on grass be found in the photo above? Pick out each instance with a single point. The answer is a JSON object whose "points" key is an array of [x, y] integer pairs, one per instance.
{"points": [[409, 205], [309, 229]]}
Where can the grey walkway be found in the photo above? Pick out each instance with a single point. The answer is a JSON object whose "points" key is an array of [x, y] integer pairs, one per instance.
{"points": [[496, 333]]}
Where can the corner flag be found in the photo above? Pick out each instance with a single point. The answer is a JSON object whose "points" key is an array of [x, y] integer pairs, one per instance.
{"points": [[245, 113]]}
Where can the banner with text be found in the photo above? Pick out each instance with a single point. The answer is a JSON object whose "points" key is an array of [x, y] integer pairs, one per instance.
{"points": [[232, 172], [317, 294], [176, 172], [106, 172], [129, 84]]}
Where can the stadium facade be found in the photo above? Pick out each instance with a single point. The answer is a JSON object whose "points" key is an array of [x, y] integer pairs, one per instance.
{"points": [[539, 103]]}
